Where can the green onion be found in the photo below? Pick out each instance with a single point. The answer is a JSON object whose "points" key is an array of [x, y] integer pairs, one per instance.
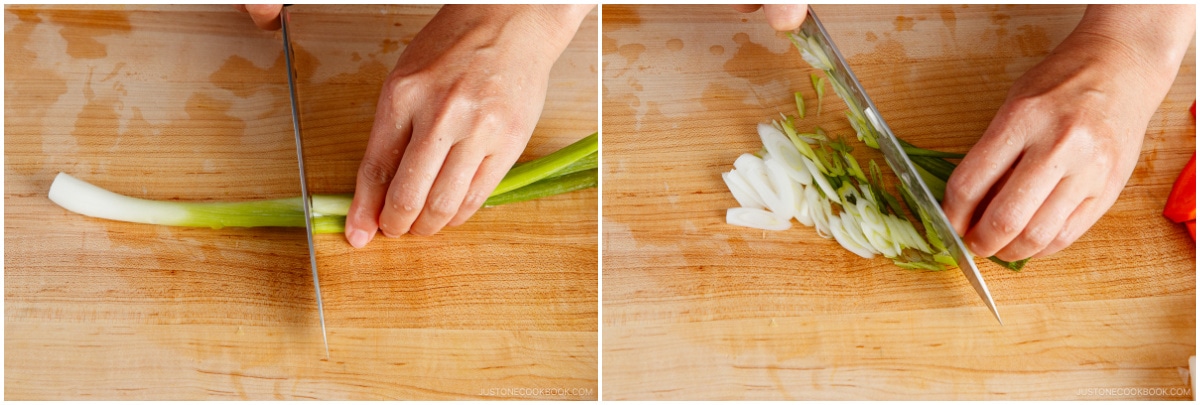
{"points": [[931, 164], [571, 168], [526, 173], [547, 187]]}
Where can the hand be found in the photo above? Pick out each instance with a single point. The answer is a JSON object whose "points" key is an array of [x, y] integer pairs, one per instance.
{"points": [[265, 16], [1066, 139], [455, 114], [781, 17]]}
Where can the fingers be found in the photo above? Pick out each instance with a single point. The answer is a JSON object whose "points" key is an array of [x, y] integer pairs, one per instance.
{"points": [[785, 17], [490, 172], [406, 196], [781, 17], [983, 167], [1008, 214], [1086, 215], [1048, 222], [265, 16], [449, 190], [390, 135]]}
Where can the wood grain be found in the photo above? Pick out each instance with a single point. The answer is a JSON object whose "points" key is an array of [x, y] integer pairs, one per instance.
{"points": [[697, 309], [191, 103]]}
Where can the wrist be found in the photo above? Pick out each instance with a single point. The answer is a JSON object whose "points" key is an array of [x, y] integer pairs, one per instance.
{"points": [[537, 34], [1148, 39]]}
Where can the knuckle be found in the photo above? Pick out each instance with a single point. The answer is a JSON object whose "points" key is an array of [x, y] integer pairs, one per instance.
{"points": [[404, 200], [1008, 220], [1038, 236], [442, 207], [957, 189], [1063, 239], [376, 172], [475, 199]]}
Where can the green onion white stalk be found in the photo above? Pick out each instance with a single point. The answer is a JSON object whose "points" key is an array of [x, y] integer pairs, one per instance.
{"points": [[814, 180], [572, 168]]}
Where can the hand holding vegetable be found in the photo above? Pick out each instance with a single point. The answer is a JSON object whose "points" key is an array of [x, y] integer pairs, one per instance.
{"points": [[1067, 138], [454, 115], [781, 17]]}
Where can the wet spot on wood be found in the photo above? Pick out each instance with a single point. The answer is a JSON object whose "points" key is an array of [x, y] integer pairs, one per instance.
{"points": [[389, 46], [948, 17], [81, 28], [758, 64], [675, 44], [608, 45], [903, 23], [631, 52], [1000, 19]]}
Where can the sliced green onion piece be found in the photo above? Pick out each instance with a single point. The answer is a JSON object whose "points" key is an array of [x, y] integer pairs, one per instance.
{"points": [[800, 105], [818, 83], [756, 218], [779, 146], [742, 192]]}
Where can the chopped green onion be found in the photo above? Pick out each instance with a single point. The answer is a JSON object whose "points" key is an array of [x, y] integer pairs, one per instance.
{"points": [[800, 106], [818, 83], [1014, 266]]}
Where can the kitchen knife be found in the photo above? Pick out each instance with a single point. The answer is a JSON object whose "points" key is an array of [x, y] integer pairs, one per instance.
{"points": [[305, 197], [856, 97]]}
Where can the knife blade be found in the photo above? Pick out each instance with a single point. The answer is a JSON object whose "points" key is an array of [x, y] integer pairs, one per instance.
{"points": [[305, 197], [856, 97]]}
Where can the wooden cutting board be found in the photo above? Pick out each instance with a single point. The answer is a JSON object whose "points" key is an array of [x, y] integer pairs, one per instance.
{"points": [[695, 308], [191, 103]]}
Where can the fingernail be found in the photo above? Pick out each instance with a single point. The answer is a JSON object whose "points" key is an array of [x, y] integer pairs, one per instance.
{"points": [[359, 238]]}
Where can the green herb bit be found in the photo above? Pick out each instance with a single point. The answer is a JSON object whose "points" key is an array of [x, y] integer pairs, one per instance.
{"points": [[1014, 266], [853, 168], [818, 83], [800, 105]]}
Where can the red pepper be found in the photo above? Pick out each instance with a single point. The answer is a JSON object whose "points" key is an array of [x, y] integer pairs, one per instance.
{"points": [[1181, 204]]}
